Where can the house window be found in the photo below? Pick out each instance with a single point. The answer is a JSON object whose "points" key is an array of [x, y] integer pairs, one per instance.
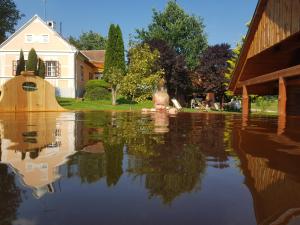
{"points": [[14, 67], [29, 38], [91, 76], [81, 73], [52, 69], [45, 38], [98, 75]]}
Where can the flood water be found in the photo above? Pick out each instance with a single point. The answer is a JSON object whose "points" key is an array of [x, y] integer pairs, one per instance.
{"points": [[128, 168]]}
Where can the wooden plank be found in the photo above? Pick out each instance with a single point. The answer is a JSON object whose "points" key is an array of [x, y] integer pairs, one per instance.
{"points": [[289, 72]]}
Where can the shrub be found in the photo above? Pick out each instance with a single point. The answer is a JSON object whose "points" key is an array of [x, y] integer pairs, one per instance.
{"points": [[32, 62], [96, 83], [97, 93], [96, 90]]}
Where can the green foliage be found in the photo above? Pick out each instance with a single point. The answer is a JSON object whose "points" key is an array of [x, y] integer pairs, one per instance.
{"points": [[96, 83], [180, 30], [114, 66], [231, 67], [32, 62], [114, 56], [41, 68], [21, 64], [96, 90], [143, 74], [9, 16], [264, 104], [97, 93], [89, 41]]}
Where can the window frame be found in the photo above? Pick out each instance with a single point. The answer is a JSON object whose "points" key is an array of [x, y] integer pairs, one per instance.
{"points": [[50, 67]]}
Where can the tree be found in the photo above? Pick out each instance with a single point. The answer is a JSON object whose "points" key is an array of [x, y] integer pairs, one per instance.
{"points": [[89, 41], [182, 31], [212, 68], [176, 73], [9, 16], [41, 69], [32, 61], [114, 66], [144, 73], [21, 64]]}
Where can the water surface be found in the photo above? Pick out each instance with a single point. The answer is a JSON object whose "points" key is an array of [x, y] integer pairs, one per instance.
{"points": [[129, 168]]}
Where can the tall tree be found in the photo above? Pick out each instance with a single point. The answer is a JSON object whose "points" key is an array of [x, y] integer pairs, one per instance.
{"points": [[89, 41], [180, 30], [9, 16], [41, 68], [144, 73], [212, 68], [114, 66], [21, 64], [176, 73], [32, 62]]}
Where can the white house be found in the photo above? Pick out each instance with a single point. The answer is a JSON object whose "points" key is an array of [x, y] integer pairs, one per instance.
{"points": [[66, 68]]}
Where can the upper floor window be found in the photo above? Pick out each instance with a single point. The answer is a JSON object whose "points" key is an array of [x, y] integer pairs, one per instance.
{"points": [[29, 38], [52, 68], [44, 38]]}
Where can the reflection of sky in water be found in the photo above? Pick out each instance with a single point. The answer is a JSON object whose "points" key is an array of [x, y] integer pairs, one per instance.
{"points": [[83, 168]]}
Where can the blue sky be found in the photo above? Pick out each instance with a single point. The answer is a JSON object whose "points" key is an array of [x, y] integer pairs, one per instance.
{"points": [[224, 19]]}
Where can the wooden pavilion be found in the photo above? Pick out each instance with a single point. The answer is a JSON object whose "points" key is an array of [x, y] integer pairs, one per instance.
{"points": [[269, 63]]}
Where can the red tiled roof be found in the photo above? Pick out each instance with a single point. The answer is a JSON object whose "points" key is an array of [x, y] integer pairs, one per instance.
{"points": [[94, 55]]}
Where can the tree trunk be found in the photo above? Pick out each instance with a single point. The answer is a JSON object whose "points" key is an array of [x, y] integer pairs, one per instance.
{"points": [[114, 96]]}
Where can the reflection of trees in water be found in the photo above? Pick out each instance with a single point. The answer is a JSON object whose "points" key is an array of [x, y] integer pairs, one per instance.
{"points": [[172, 163], [171, 173], [10, 196]]}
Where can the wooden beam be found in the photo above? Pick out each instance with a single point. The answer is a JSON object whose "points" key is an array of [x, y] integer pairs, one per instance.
{"points": [[245, 102], [282, 97], [289, 72], [247, 44]]}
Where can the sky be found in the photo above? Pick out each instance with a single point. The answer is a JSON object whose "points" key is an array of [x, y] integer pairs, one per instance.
{"points": [[224, 19]]}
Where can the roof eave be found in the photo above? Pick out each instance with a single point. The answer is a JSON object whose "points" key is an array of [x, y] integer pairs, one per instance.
{"points": [[248, 39]]}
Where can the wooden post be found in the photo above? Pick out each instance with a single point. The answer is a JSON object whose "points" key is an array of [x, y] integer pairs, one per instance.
{"points": [[282, 97], [281, 124], [245, 102]]}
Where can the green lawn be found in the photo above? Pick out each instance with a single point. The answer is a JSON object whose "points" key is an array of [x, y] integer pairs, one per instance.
{"points": [[105, 105], [73, 104]]}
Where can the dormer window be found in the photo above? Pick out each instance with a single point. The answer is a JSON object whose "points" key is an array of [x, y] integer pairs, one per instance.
{"points": [[29, 38]]}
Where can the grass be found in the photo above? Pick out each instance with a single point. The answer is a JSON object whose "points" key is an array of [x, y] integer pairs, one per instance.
{"points": [[102, 105], [265, 106], [269, 108]]}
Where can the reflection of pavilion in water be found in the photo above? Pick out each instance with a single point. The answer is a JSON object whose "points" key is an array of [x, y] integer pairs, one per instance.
{"points": [[34, 145], [270, 163]]}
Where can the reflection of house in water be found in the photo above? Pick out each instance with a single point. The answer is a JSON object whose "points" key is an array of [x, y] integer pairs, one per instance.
{"points": [[272, 172], [35, 145]]}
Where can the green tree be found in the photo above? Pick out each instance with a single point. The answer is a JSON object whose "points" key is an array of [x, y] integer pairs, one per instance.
{"points": [[9, 16], [231, 66], [89, 41], [180, 30], [32, 61], [114, 66], [144, 73], [21, 64], [41, 68]]}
